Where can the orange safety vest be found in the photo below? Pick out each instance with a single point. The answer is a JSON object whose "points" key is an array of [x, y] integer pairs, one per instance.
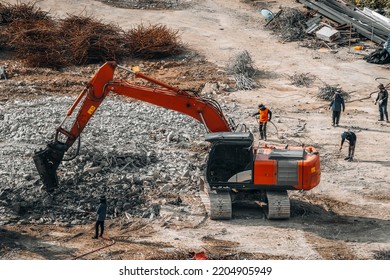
{"points": [[263, 115]]}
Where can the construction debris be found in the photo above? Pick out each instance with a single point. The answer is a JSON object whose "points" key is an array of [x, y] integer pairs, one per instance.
{"points": [[131, 166], [37, 43], [327, 92], [379, 56], [289, 24], [382, 6], [328, 34], [74, 40], [91, 41], [148, 4], [302, 79], [3, 74], [332, 22], [313, 24], [21, 12], [153, 41], [382, 255], [342, 14], [40, 41], [241, 67]]}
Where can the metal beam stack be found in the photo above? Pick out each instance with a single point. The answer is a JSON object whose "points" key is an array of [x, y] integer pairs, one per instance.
{"points": [[368, 26]]}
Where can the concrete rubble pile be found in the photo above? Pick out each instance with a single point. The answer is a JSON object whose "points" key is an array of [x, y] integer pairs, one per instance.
{"points": [[136, 154]]}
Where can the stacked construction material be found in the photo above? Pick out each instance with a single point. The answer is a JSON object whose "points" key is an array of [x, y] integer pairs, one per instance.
{"points": [[368, 26]]}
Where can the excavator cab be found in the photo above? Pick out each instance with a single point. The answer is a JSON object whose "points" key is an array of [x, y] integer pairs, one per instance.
{"points": [[230, 159]]}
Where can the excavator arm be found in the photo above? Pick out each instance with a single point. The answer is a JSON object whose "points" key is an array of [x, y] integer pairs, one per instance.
{"points": [[206, 111]]}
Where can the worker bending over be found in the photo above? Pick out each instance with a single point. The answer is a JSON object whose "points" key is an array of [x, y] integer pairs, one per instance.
{"points": [[265, 115], [351, 139]]}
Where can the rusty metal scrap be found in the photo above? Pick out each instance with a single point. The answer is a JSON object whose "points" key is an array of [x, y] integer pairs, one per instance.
{"points": [[40, 41], [91, 41], [36, 43], [153, 41], [21, 11]]}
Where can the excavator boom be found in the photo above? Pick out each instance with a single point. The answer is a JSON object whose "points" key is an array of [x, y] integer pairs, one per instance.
{"points": [[206, 111]]}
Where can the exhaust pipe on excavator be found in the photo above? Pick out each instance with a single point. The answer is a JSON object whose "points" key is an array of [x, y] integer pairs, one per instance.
{"points": [[47, 162]]}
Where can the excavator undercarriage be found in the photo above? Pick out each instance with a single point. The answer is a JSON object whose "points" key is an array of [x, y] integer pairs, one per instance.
{"points": [[275, 204]]}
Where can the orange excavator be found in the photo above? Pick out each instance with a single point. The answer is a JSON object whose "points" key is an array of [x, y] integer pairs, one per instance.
{"points": [[235, 169]]}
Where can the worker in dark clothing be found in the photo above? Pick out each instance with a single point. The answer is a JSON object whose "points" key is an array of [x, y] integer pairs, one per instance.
{"points": [[351, 139], [381, 100], [101, 213], [337, 104], [265, 115]]}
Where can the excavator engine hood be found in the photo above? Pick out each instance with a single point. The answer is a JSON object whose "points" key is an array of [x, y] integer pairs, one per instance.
{"points": [[232, 136], [47, 162]]}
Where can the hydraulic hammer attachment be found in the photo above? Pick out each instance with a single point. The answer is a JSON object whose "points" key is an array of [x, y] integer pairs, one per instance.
{"points": [[47, 162]]}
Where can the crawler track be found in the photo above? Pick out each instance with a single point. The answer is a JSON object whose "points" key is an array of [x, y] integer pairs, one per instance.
{"points": [[278, 205], [220, 205]]}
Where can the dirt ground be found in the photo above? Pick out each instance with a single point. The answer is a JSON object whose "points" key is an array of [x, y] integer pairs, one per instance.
{"points": [[346, 217]]}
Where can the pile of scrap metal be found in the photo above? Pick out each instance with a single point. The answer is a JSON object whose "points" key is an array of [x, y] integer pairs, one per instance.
{"points": [[367, 23]]}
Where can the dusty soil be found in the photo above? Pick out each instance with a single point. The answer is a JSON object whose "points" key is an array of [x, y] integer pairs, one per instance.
{"points": [[345, 217]]}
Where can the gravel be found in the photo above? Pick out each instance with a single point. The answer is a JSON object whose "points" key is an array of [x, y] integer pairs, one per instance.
{"points": [[134, 153]]}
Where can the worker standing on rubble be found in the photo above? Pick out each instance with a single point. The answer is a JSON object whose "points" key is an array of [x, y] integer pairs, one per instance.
{"points": [[351, 138], [381, 100], [265, 115], [101, 213], [337, 104]]}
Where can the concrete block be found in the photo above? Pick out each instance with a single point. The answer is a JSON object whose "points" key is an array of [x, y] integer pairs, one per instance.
{"points": [[327, 34]]}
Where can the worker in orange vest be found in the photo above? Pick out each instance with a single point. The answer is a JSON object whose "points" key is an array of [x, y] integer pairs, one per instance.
{"points": [[265, 116]]}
